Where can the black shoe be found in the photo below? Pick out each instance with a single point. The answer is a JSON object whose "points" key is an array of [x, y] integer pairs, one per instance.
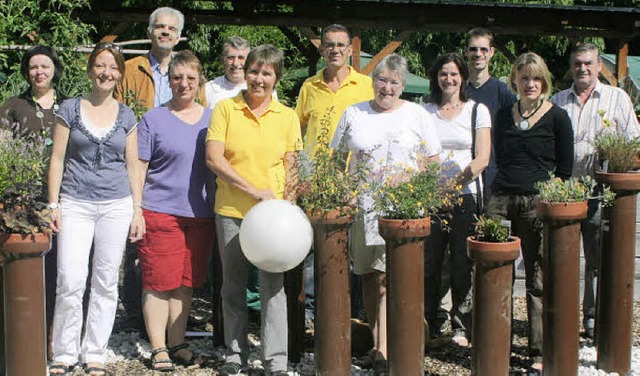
{"points": [[230, 369]]}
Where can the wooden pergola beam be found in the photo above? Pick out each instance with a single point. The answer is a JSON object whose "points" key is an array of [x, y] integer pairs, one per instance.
{"points": [[388, 49], [501, 18]]}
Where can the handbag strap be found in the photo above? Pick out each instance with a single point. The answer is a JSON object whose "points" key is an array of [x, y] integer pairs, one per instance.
{"points": [[474, 116]]}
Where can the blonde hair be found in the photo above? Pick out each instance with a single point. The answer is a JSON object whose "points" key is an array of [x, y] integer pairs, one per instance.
{"points": [[538, 68]]}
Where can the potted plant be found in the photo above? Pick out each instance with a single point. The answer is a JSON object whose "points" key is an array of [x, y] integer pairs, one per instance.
{"points": [[618, 154], [493, 250], [404, 199], [328, 193], [562, 206], [24, 239]]}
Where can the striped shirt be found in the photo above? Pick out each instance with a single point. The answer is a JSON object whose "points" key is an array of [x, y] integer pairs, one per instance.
{"points": [[588, 124]]}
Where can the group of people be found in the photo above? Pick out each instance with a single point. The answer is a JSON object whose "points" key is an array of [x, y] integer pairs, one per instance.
{"points": [[115, 180]]}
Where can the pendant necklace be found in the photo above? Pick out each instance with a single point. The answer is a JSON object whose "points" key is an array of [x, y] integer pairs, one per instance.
{"points": [[524, 123], [40, 115]]}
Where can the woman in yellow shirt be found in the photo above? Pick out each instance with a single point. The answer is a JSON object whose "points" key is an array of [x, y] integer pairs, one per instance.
{"points": [[251, 146]]}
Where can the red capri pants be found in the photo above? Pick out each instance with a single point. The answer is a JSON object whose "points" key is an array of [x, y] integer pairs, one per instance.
{"points": [[175, 251]]}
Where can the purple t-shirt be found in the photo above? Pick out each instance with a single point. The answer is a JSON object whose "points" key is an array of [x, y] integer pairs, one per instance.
{"points": [[177, 176]]}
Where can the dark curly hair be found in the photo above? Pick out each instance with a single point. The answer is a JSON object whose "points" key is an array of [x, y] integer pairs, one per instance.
{"points": [[436, 92]]}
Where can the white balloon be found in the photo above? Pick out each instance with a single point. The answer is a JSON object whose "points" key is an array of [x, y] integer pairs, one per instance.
{"points": [[275, 235]]}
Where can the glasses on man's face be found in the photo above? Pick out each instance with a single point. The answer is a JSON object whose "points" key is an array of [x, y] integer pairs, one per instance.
{"points": [[382, 82], [339, 46], [107, 45], [484, 50]]}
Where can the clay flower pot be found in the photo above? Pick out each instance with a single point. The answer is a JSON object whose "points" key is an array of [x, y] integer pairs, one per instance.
{"points": [[405, 292], [332, 298], [24, 314], [562, 211], [492, 305], [614, 311]]}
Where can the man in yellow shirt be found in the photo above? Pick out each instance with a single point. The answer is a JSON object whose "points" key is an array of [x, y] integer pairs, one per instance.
{"points": [[325, 96]]}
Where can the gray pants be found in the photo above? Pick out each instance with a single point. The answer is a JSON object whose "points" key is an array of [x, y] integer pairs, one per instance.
{"points": [[521, 211], [273, 330], [591, 231]]}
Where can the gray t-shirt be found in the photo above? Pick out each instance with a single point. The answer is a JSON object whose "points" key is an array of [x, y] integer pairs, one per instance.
{"points": [[95, 169]]}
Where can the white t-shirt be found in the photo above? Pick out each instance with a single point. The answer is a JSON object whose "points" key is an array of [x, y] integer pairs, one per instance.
{"points": [[220, 88], [389, 138], [455, 137]]}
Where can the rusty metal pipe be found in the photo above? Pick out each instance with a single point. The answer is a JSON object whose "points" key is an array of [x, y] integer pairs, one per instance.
{"points": [[24, 305], [560, 298], [492, 305], [332, 298], [615, 285], [405, 293]]}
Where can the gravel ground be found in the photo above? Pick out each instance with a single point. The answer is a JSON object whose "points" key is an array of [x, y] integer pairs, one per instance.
{"points": [[128, 354]]}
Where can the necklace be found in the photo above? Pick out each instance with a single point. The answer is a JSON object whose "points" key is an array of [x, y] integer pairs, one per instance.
{"points": [[524, 123], [40, 115], [449, 107]]}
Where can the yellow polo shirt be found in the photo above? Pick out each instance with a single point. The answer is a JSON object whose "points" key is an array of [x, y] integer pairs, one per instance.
{"points": [[319, 106], [255, 147]]}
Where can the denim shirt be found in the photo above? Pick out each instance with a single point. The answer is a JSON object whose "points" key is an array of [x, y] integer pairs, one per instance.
{"points": [[95, 169]]}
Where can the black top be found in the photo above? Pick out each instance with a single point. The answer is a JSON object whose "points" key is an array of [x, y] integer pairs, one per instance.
{"points": [[526, 157], [22, 110], [494, 94]]}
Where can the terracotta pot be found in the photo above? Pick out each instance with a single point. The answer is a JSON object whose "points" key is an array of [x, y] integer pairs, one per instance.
{"points": [[405, 292], [23, 284], [493, 251], [404, 228], [492, 305], [334, 216], [332, 298], [629, 181], [562, 211], [560, 263], [614, 304]]}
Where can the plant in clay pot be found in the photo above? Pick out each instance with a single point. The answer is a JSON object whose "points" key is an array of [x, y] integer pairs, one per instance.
{"points": [[575, 189], [617, 152], [493, 251], [492, 230]]}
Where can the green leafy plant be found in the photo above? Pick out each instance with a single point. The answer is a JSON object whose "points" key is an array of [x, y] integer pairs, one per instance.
{"points": [[23, 162], [407, 193], [491, 230], [325, 184], [574, 189], [616, 151]]}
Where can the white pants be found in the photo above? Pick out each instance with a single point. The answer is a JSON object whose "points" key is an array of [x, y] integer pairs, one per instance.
{"points": [[104, 224]]}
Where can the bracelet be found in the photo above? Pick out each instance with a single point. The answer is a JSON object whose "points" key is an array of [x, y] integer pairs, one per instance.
{"points": [[137, 205], [53, 205]]}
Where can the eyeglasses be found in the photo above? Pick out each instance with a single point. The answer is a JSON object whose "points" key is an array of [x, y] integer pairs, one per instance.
{"points": [[381, 82], [107, 45], [484, 50], [191, 80], [340, 46]]}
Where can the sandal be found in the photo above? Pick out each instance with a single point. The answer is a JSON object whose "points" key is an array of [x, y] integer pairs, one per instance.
{"points": [[164, 365], [96, 371], [59, 368], [191, 361]]}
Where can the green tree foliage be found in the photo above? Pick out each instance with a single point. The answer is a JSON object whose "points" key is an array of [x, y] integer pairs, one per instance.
{"points": [[53, 23]]}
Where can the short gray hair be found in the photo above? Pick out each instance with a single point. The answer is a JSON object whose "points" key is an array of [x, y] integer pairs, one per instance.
{"points": [[394, 63], [585, 47], [166, 10], [239, 43]]}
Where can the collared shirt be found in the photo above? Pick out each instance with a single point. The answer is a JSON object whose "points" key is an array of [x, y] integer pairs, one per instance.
{"points": [[588, 124], [161, 83], [318, 106], [255, 148]]}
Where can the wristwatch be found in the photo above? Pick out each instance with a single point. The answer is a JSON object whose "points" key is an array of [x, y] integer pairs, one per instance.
{"points": [[53, 205]]}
